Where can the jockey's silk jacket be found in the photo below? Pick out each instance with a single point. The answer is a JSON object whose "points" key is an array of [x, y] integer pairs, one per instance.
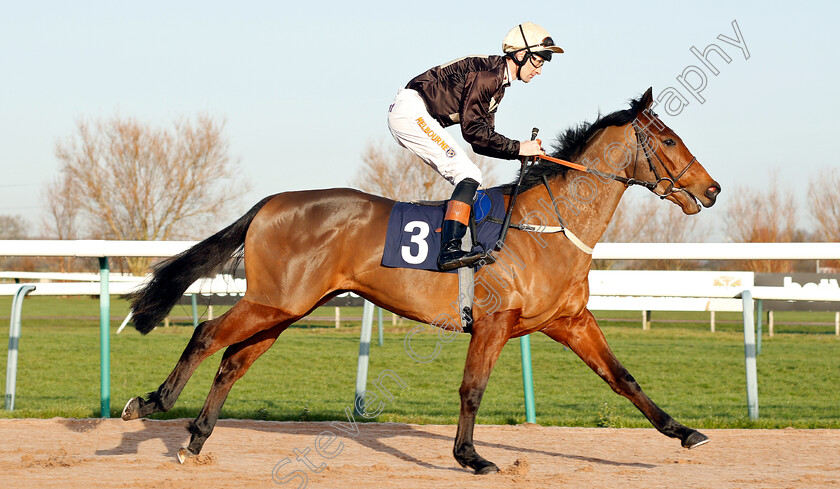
{"points": [[468, 91]]}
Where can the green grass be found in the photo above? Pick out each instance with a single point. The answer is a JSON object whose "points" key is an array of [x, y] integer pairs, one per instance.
{"points": [[309, 374]]}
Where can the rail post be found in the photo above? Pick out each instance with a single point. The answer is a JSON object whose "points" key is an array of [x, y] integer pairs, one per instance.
{"points": [[364, 357], [194, 303], [749, 355], [104, 339], [381, 331], [14, 342], [527, 378], [759, 318]]}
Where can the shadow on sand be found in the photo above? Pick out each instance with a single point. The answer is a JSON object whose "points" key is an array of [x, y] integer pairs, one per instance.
{"points": [[376, 436]]}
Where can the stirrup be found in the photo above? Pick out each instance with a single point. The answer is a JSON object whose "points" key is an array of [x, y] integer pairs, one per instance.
{"points": [[468, 259]]}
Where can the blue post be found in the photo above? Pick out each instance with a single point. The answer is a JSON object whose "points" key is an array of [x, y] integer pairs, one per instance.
{"points": [[758, 326], [749, 355], [381, 332], [14, 341], [194, 300], [104, 339], [364, 356], [527, 379]]}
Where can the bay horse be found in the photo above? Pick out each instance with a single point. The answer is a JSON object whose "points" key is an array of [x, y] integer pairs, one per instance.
{"points": [[302, 248]]}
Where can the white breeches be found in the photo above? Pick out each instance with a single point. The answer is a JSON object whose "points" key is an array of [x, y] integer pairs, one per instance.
{"points": [[413, 127]]}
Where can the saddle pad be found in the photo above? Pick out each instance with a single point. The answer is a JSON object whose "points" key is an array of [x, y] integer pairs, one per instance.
{"points": [[413, 239]]}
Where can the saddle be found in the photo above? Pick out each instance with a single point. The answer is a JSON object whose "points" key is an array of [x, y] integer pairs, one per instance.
{"points": [[413, 237], [413, 240]]}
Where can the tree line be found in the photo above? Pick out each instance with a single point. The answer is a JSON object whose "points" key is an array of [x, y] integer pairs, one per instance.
{"points": [[120, 178], [745, 214]]}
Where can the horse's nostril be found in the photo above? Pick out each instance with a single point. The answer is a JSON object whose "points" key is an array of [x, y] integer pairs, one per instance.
{"points": [[713, 190]]}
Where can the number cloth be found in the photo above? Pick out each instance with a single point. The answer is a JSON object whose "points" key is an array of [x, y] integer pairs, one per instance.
{"points": [[413, 236]]}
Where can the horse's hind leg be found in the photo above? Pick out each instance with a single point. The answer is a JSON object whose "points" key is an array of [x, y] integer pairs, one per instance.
{"points": [[585, 338], [237, 360], [244, 320]]}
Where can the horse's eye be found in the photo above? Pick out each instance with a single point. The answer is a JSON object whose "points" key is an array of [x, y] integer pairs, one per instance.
{"points": [[669, 142]]}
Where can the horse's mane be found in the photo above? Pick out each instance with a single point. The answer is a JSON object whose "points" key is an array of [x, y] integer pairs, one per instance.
{"points": [[570, 144]]}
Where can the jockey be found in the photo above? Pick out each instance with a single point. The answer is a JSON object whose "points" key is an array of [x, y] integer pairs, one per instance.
{"points": [[467, 91]]}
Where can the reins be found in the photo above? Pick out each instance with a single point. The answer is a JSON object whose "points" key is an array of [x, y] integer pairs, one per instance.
{"points": [[500, 243], [649, 149], [643, 142]]}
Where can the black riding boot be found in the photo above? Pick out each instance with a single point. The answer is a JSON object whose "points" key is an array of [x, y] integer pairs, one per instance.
{"points": [[454, 229], [451, 255]]}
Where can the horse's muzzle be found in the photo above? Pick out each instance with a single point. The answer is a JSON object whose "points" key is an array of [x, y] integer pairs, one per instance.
{"points": [[712, 193]]}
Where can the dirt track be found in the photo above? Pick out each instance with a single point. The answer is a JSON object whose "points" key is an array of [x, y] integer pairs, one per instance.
{"points": [[93, 453]]}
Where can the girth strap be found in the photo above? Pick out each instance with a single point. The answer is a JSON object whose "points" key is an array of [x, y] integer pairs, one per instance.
{"points": [[530, 228]]}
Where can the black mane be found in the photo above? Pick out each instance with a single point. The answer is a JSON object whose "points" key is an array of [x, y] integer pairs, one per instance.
{"points": [[570, 144]]}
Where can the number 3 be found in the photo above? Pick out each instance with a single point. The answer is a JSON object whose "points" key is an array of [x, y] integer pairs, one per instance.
{"points": [[419, 238]]}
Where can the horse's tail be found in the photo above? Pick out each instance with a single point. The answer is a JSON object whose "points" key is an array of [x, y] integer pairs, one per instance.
{"points": [[170, 278]]}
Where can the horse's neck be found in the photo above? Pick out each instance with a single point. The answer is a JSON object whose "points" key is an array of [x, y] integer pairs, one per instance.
{"points": [[585, 201]]}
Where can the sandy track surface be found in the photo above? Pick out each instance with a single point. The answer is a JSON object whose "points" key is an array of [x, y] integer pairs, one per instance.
{"points": [[93, 453]]}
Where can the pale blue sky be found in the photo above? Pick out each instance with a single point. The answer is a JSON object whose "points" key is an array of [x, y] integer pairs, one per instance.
{"points": [[305, 87]]}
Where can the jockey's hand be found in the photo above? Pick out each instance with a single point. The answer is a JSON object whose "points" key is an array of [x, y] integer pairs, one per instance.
{"points": [[531, 148]]}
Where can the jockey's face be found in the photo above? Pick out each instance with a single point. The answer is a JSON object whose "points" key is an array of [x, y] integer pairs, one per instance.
{"points": [[531, 68]]}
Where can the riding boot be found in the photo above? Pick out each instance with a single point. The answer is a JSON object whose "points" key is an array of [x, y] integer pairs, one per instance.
{"points": [[451, 255], [454, 228]]}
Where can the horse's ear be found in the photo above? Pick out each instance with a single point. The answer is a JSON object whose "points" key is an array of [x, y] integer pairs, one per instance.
{"points": [[647, 98]]}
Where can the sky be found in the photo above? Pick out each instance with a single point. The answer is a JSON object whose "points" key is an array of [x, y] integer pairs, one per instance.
{"points": [[304, 87]]}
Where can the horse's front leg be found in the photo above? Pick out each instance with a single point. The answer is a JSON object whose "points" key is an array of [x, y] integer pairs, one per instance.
{"points": [[583, 336], [489, 336]]}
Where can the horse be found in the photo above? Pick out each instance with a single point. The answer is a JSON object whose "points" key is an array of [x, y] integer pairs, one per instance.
{"points": [[303, 248]]}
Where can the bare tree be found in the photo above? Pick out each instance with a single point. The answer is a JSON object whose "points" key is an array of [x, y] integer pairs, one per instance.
{"points": [[633, 220], [132, 181], [824, 203], [644, 218], [13, 227], [394, 172], [766, 215], [62, 220], [63, 209]]}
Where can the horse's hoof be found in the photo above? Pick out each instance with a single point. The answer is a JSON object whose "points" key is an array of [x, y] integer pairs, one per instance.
{"points": [[131, 409], [695, 439], [184, 454], [488, 469]]}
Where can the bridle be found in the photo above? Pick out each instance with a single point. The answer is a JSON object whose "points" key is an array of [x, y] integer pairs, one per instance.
{"points": [[647, 146], [644, 143]]}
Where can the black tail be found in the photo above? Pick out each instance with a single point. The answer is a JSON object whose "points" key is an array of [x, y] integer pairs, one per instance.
{"points": [[170, 278]]}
